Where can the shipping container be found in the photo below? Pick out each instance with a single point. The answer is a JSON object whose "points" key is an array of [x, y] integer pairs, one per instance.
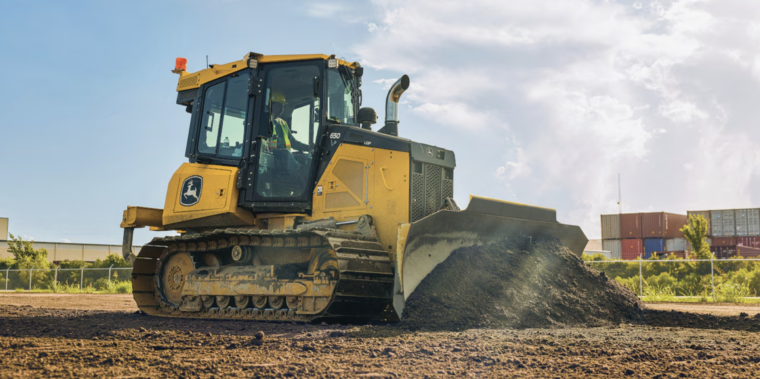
{"points": [[729, 223], [676, 244], [716, 223], [723, 241], [630, 225], [653, 246], [753, 222], [707, 239], [631, 248], [705, 214], [679, 254], [611, 227], [614, 247], [740, 221], [748, 241], [723, 252], [748, 252], [662, 225]]}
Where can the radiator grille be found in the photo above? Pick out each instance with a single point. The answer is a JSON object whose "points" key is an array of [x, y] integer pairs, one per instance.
{"points": [[418, 194], [430, 188]]}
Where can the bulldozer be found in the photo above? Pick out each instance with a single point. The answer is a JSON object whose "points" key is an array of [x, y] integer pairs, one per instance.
{"points": [[292, 208]]}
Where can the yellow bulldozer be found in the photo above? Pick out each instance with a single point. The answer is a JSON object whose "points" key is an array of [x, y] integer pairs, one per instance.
{"points": [[292, 208]]}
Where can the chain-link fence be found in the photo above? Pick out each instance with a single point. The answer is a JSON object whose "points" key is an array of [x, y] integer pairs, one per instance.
{"points": [[68, 280], [729, 280]]}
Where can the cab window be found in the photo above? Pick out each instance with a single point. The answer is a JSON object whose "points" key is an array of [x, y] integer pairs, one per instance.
{"points": [[224, 114]]}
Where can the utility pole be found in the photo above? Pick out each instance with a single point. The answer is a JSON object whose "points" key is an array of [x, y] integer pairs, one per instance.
{"points": [[620, 196]]}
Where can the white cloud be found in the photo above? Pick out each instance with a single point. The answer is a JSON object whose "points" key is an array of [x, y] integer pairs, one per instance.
{"points": [[323, 10], [661, 91], [65, 240]]}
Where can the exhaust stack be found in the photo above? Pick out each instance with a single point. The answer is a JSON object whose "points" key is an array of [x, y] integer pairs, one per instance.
{"points": [[391, 106]]}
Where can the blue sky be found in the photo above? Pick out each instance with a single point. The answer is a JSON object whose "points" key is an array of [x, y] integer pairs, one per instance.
{"points": [[543, 102]]}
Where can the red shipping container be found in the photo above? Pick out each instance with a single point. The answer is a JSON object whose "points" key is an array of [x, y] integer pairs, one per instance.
{"points": [[662, 225], [747, 252], [680, 254], [748, 241], [630, 225], [723, 252], [632, 249], [723, 241]]}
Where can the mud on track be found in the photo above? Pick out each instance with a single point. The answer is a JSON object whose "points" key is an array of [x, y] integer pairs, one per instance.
{"points": [[39, 342]]}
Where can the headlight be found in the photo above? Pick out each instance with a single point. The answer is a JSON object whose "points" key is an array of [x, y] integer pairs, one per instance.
{"points": [[252, 63], [332, 63]]}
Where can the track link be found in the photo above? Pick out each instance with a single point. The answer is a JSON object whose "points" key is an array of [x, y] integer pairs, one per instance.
{"points": [[362, 293]]}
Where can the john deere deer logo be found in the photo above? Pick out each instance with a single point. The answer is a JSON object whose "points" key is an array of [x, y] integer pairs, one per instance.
{"points": [[191, 191]]}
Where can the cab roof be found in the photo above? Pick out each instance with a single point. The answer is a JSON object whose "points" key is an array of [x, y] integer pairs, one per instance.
{"points": [[194, 80]]}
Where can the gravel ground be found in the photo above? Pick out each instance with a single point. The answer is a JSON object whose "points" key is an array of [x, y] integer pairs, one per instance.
{"points": [[46, 342]]}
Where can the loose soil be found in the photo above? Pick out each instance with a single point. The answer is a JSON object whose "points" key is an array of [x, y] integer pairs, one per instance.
{"points": [[588, 326], [533, 285], [43, 343], [105, 302]]}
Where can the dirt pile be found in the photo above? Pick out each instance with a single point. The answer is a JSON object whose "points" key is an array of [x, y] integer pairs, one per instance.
{"points": [[529, 285]]}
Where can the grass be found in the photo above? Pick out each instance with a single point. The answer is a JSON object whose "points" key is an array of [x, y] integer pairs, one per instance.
{"points": [[699, 299]]}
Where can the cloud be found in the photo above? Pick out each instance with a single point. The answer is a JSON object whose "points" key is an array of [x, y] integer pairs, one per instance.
{"points": [[662, 92], [65, 240], [323, 10]]}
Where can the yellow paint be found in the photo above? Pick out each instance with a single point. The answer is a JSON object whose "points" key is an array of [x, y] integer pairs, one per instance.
{"points": [[194, 80], [139, 217], [386, 190], [509, 202], [217, 202]]}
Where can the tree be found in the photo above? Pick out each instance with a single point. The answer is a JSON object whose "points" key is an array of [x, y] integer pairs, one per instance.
{"points": [[27, 257], [696, 233], [24, 250]]}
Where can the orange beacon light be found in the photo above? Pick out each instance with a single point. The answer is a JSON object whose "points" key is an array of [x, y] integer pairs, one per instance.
{"points": [[181, 64]]}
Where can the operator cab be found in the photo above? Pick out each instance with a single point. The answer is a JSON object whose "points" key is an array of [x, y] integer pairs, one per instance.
{"points": [[269, 119]]}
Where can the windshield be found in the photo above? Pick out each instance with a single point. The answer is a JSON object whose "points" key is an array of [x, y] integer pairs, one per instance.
{"points": [[291, 111], [340, 101]]}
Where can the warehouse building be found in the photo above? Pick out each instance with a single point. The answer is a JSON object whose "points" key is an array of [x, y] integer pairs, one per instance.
{"points": [[63, 251]]}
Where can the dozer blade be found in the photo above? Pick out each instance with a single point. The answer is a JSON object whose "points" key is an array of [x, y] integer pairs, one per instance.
{"points": [[432, 239]]}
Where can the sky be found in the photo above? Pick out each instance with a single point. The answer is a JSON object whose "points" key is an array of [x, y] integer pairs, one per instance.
{"points": [[544, 102]]}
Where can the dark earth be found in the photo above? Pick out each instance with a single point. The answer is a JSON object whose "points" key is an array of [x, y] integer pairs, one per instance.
{"points": [[509, 311]]}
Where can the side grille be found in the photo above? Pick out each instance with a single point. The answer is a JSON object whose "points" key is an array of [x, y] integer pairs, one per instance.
{"points": [[188, 82], [431, 185]]}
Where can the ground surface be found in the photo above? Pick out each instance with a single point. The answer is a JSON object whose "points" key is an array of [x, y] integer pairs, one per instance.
{"points": [[115, 342]]}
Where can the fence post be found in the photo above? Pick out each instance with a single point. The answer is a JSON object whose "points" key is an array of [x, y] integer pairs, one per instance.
{"points": [[30, 278], [55, 280], [641, 280], [7, 278], [81, 280], [712, 276], [109, 275]]}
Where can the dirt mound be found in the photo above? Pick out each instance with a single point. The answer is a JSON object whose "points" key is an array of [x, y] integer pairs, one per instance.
{"points": [[530, 285]]}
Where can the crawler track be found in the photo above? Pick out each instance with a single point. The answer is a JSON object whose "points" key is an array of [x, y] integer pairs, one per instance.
{"points": [[361, 292]]}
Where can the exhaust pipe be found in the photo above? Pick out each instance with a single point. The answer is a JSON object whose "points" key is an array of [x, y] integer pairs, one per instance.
{"points": [[391, 106]]}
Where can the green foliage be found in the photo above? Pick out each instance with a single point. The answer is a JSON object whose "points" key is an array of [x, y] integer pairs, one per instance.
{"points": [[696, 233], [731, 292], [734, 280], [114, 260], [659, 293]]}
